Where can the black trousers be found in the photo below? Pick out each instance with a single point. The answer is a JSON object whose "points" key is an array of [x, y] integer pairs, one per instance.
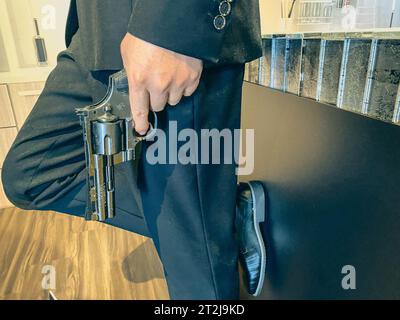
{"points": [[188, 210]]}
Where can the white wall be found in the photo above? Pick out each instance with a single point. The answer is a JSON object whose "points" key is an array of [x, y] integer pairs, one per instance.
{"points": [[54, 37], [271, 17], [52, 17], [18, 31], [270, 11]]}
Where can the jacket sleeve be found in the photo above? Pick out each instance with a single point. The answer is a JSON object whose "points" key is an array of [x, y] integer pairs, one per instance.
{"points": [[191, 27], [72, 23]]}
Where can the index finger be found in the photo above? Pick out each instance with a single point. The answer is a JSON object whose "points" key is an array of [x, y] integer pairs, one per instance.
{"points": [[140, 104]]}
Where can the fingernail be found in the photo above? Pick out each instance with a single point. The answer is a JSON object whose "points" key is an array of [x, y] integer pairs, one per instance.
{"points": [[143, 132]]}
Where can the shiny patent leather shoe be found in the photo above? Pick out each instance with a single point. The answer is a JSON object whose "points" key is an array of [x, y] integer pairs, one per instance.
{"points": [[250, 212]]}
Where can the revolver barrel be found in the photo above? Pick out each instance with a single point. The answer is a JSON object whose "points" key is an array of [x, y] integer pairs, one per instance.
{"points": [[108, 137]]}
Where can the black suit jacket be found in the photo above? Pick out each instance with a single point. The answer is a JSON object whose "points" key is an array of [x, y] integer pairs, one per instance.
{"points": [[96, 28]]}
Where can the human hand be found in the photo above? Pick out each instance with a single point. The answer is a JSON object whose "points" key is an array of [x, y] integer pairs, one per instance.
{"points": [[156, 76]]}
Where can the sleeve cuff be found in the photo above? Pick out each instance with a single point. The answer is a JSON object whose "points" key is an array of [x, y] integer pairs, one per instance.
{"points": [[183, 26]]}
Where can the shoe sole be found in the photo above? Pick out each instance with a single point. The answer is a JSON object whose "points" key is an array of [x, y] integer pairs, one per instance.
{"points": [[257, 189]]}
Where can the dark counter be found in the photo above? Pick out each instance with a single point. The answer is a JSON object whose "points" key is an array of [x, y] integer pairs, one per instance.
{"points": [[333, 183]]}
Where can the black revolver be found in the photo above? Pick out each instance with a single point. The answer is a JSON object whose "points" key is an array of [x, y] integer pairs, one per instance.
{"points": [[110, 139]]}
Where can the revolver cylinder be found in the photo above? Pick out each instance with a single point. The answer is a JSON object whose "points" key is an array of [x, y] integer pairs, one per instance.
{"points": [[108, 137]]}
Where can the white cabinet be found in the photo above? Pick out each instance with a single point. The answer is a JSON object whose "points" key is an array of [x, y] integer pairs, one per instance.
{"points": [[23, 97], [21, 76], [7, 137], [4, 203], [16, 102], [6, 112]]}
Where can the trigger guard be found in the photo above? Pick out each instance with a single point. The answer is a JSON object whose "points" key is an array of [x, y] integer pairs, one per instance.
{"points": [[153, 129]]}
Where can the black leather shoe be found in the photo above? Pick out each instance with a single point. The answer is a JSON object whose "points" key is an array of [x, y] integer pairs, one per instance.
{"points": [[250, 212]]}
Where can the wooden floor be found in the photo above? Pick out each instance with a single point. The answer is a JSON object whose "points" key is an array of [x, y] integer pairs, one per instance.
{"points": [[91, 260]]}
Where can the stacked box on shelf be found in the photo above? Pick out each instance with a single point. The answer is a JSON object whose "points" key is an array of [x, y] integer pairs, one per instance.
{"points": [[358, 72], [293, 69], [252, 71], [265, 63], [383, 79], [278, 69], [331, 56], [310, 65], [354, 73]]}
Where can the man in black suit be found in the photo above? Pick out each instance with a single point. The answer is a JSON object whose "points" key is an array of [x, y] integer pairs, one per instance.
{"points": [[184, 59]]}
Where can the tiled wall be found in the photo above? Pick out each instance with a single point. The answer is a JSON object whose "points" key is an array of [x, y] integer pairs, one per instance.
{"points": [[355, 72]]}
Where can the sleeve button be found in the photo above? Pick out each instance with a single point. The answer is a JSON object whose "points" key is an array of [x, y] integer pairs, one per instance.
{"points": [[225, 8], [219, 22]]}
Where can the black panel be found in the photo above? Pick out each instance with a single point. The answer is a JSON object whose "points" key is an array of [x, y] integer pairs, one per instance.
{"points": [[333, 180]]}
